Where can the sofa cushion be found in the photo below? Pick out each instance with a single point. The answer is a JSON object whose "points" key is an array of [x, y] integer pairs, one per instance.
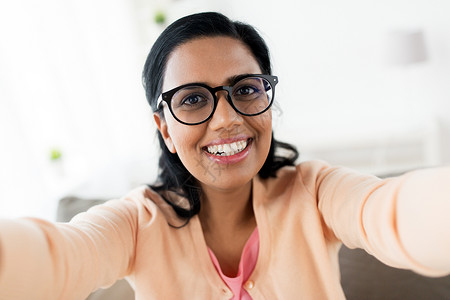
{"points": [[365, 277]]}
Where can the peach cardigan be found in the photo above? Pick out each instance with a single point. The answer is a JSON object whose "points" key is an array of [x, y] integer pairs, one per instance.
{"points": [[303, 215]]}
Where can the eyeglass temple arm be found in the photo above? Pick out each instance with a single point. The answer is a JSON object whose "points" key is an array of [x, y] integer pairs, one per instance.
{"points": [[159, 101]]}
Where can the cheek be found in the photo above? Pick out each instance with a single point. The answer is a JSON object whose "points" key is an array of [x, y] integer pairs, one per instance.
{"points": [[265, 125], [182, 141], [185, 138], [262, 124]]}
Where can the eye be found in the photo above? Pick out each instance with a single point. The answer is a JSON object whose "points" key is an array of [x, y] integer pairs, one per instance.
{"points": [[192, 100], [245, 90]]}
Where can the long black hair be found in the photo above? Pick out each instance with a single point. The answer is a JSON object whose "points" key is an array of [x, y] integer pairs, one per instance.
{"points": [[173, 177]]}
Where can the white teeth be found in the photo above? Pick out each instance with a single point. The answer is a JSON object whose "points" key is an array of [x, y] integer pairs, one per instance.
{"points": [[227, 149]]}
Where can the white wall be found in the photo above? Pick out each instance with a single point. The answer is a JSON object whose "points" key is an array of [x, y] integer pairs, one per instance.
{"points": [[329, 57], [336, 87], [69, 79]]}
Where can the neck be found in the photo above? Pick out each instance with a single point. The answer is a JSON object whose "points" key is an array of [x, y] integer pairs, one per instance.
{"points": [[227, 211]]}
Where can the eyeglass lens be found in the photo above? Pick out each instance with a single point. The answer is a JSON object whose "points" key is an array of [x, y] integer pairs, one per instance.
{"points": [[194, 104]]}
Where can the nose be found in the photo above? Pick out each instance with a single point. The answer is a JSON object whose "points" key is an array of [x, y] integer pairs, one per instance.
{"points": [[225, 117]]}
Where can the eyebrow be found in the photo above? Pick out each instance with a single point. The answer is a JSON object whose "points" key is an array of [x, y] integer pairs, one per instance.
{"points": [[233, 79], [230, 80]]}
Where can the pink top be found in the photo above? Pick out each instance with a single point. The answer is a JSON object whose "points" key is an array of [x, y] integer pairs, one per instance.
{"points": [[246, 265]]}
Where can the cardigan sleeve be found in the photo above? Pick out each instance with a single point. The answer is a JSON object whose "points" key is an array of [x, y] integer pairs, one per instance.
{"points": [[403, 221], [43, 260]]}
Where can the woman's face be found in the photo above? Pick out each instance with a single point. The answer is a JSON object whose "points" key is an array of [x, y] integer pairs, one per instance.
{"points": [[215, 61]]}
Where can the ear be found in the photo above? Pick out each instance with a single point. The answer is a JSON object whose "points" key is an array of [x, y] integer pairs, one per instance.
{"points": [[162, 127]]}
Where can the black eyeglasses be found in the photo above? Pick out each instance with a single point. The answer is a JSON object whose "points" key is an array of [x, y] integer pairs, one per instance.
{"points": [[195, 103]]}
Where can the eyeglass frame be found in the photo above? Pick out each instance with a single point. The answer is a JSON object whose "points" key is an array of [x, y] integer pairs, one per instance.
{"points": [[167, 96]]}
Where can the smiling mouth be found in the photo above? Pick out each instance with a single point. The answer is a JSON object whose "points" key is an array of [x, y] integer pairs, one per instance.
{"points": [[227, 149]]}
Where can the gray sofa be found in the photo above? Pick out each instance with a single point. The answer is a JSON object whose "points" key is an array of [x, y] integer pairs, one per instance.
{"points": [[362, 276]]}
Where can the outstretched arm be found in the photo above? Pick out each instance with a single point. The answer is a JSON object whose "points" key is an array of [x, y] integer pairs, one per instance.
{"points": [[403, 221], [423, 217], [41, 260]]}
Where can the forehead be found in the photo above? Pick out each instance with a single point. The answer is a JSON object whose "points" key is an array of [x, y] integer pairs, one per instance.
{"points": [[211, 60]]}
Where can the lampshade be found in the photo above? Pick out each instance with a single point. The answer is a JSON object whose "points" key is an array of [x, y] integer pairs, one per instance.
{"points": [[405, 47]]}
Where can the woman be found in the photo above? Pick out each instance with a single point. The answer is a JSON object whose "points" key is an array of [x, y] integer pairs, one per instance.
{"points": [[230, 217]]}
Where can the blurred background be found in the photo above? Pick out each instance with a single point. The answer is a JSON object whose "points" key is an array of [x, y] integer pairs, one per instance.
{"points": [[362, 83]]}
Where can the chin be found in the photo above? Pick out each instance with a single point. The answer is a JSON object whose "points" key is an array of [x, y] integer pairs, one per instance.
{"points": [[228, 182]]}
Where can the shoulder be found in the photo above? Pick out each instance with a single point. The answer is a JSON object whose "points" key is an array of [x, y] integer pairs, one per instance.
{"points": [[151, 204], [319, 176], [313, 176], [139, 206]]}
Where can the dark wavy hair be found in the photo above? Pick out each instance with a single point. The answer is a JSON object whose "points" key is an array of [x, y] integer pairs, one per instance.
{"points": [[173, 177]]}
